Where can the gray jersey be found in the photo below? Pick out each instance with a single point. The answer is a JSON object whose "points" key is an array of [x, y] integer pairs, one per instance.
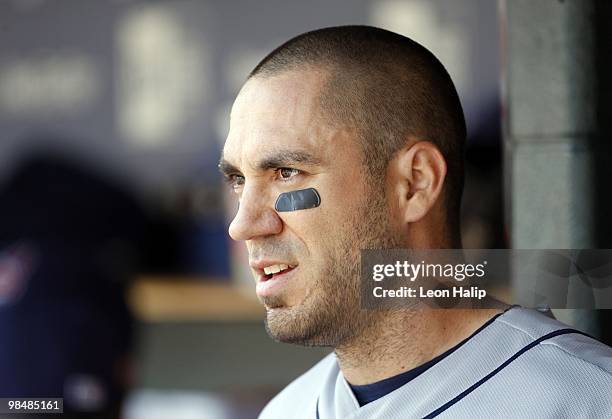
{"points": [[522, 365]]}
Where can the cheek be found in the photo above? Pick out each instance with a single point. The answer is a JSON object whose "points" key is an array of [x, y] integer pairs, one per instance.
{"points": [[319, 232], [342, 211], [297, 296]]}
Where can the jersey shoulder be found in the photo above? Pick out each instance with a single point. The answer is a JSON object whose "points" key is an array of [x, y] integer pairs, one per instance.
{"points": [[301, 393], [569, 354], [555, 371]]}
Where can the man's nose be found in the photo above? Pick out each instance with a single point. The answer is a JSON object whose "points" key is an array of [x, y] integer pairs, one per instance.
{"points": [[255, 217]]}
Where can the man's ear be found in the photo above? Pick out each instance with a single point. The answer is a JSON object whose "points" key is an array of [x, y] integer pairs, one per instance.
{"points": [[418, 173]]}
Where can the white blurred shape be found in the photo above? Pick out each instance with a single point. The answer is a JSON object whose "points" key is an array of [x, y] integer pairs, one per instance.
{"points": [[16, 264], [27, 5], [48, 83], [222, 121], [417, 20], [161, 75], [240, 63], [84, 392], [153, 404]]}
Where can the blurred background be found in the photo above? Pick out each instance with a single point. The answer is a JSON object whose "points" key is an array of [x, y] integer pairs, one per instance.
{"points": [[119, 287]]}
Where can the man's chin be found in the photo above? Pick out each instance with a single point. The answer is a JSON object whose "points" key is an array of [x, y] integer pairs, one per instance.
{"points": [[294, 325], [272, 302], [284, 325]]}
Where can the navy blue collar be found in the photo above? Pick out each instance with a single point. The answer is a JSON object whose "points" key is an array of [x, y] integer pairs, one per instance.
{"points": [[369, 392]]}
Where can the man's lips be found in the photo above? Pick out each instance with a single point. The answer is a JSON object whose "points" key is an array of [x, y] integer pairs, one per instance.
{"points": [[265, 268], [270, 284]]}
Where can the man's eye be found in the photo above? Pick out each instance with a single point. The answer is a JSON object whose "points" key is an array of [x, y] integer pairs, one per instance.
{"points": [[286, 173], [235, 181]]}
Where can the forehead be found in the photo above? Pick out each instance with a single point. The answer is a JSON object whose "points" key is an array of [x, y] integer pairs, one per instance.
{"points": [[279, 112]]}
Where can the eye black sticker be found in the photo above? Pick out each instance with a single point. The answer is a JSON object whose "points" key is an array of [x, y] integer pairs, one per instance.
{"points": [[298, 200]]}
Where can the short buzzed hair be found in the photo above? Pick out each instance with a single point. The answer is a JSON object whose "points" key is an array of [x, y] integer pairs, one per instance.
{"points": [[387, 87]]}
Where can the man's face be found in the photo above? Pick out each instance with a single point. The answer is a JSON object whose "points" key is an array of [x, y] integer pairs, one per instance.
{"points": [[279, 143]]}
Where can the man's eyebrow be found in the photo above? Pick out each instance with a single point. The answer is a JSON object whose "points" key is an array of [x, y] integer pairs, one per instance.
{"points": [[286, 158], [226, 168], [275, 160]]}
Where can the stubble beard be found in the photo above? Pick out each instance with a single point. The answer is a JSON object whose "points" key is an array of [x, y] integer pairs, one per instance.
{"points": [[332, 315]]}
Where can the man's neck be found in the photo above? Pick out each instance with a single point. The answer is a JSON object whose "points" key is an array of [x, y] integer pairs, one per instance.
{"points": [[398, 341]]}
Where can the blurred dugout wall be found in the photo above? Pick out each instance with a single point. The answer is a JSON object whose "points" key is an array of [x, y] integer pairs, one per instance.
{"points": [[557, 136], [143, 89]]}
